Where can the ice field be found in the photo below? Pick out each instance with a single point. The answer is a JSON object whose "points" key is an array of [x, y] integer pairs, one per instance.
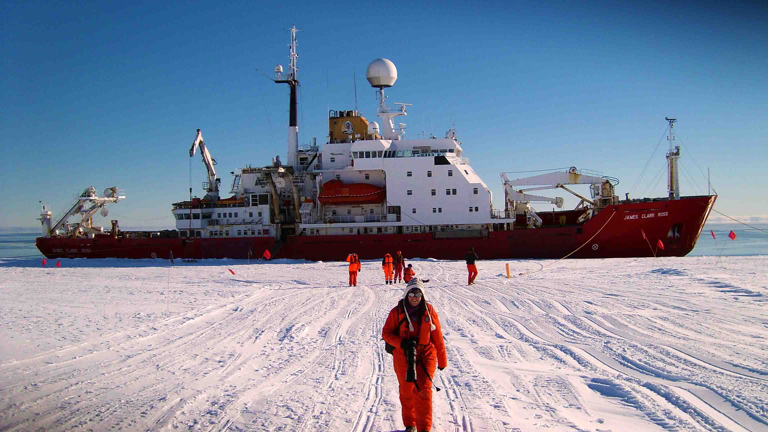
{"points": [[583, 345]]}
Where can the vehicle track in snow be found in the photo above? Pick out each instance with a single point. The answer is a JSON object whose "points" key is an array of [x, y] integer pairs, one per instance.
{"points": [[563, 333], [304, 352]]}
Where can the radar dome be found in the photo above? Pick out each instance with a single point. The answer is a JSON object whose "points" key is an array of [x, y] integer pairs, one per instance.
{"points": [[381, 73]]}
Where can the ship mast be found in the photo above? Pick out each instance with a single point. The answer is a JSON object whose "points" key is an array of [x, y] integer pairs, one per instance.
{"points": [[672, 157], [291, 78]]}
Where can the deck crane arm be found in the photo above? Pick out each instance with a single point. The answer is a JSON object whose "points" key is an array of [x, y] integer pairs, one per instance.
{"points": [[519, 196], [209, 162]]}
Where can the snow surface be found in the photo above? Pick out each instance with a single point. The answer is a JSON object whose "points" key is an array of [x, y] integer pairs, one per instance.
{"points": [[588, 345]]}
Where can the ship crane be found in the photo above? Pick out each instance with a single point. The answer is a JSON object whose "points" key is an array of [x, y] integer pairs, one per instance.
{"points": [[86, 212], [212, 187], [518, 200]]}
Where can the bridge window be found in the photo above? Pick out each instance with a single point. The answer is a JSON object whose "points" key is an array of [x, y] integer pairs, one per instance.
{"points": [[447, 191], [413, 211], [450, 173], [409, 174], [470, 209], [367, 176], [434, 192], [475, 191], [452, 190], [333, 159], [429, 173], [409, 192], [434, 209]]}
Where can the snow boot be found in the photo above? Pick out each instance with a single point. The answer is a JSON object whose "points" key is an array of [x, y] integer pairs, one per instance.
{"points": [[410, 429]]}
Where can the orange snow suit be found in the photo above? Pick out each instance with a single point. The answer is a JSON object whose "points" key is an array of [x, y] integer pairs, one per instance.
{"points": [[408, 274], [354, 267], [399, 263], [386, 264], [416, 398]]}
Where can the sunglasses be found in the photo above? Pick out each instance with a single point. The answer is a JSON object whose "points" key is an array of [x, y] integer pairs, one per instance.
{"points": [[417, 295]]}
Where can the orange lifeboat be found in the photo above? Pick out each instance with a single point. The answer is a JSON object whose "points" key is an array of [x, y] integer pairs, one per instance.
{"points": [[336, 192]]}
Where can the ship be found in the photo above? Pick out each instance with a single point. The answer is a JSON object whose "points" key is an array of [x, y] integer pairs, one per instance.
{"points": [[371, 191]]}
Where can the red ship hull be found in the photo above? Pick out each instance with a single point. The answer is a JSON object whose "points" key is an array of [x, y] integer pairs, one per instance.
{"points": [[618, 231]]}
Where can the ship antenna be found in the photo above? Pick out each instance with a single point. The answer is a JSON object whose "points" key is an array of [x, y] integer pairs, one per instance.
{"points": [[672, 158], [354, 77], [291, 78]]}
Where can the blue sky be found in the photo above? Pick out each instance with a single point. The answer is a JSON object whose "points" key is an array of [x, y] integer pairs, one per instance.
{"points": [[111, 93]]}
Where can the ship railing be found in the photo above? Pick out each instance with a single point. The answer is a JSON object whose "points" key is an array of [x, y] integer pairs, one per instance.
{"points": [[356, 219], [502, 214]]}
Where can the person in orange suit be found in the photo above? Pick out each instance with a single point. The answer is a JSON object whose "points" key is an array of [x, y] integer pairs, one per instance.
{"points": [[471, 257], [414, 324], [408, 273], [386, 265], [354, 267], [399, 263]]}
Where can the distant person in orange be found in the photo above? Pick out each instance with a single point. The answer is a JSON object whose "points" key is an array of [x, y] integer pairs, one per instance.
{"points": [[386, 265], [399, 263], [354, 267], [413, 328], [471, 257], [408, 273]]}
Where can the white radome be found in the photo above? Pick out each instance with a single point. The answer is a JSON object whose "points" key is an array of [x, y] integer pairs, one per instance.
{"points": [[381, 73]]}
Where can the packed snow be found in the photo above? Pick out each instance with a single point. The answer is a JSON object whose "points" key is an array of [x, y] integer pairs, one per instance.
{"points": [[587, 345]]}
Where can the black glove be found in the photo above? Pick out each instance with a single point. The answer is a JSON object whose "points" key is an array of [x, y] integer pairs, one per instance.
{"points": [[440, 368], [407, 344]]}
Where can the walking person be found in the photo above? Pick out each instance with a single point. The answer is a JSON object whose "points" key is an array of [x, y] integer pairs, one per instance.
{"points": [[413, 328], [471, 257], [354, 268], [399, 263], [408, 273], [386, 265]]}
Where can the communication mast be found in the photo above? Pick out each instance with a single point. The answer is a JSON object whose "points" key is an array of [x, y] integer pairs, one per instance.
{"points": [[672, 158], [291, 78]]}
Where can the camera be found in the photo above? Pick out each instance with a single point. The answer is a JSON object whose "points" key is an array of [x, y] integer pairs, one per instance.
{"points": [[410, 358]]}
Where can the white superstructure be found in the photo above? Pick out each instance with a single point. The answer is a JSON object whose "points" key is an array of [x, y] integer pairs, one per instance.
{"points": [[368, 179]]}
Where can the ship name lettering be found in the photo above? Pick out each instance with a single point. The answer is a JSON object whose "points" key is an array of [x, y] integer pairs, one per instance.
{"points": [[72, 250], [57, 250], [649, 215], [85, 250], [662, 214], [628, 217]]}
